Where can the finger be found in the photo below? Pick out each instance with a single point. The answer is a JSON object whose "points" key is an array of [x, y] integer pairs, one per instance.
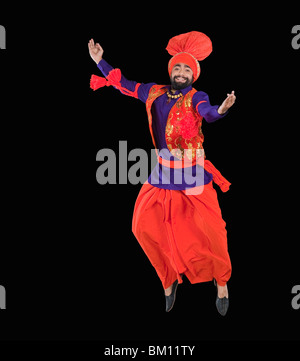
{"points": [[92, 43]]}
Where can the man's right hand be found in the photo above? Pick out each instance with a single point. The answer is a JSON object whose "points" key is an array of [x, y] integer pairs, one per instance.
{"points": [[96, 52]]}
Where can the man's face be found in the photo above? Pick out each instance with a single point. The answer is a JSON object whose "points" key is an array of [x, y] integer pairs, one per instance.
{"points": [[181, 76]]}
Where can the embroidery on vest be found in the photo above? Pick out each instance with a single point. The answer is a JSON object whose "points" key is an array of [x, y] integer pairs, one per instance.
{"points": [[184, 135], [183, 131], [155, 92]]}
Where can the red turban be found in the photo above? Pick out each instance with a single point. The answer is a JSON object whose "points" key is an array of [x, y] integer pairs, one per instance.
{"points": [[188, 48]]}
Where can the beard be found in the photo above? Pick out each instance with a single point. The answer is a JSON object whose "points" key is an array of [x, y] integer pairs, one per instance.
{"points": [[178, 85]]}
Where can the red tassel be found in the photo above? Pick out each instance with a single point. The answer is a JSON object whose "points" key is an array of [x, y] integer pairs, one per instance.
{"points": [[97, 82], [114, 77]]}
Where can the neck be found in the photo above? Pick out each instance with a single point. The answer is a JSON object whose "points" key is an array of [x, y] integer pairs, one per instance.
{"points": [[175, 90], [183, 91]]}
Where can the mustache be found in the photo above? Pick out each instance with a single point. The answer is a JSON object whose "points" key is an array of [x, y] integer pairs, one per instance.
{"points": [[183, 77]]}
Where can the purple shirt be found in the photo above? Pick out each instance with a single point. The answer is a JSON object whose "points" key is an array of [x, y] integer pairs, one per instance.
{"points": [[163, 177]]}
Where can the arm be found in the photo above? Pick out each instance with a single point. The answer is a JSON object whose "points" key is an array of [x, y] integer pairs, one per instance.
{"points": [[205, 109], [96, 53], [142, 89], [209, 112]]}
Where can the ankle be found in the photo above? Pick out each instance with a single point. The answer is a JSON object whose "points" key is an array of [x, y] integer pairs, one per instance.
{"points": [[222, 291], [168, 290]]}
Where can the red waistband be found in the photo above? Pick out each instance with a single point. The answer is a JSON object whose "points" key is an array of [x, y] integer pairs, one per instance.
{"points": [[221, 181], [180, 163]]}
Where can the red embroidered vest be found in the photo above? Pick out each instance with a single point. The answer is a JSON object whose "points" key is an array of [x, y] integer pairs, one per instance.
{"points": [[183, 130]]}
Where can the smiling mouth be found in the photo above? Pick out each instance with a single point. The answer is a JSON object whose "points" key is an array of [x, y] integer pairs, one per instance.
{"points": [[180, 79]]}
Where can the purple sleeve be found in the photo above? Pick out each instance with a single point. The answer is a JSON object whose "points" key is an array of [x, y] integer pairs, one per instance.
{"points": [[143, 89], [205, 109], [104, 67]]}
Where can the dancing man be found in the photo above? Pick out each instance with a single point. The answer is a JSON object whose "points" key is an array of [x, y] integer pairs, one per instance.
{"points": [[179, 223]]}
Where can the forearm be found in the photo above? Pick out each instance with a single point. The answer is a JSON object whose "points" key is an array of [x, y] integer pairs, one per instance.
{"points": [[205, 109], [211, 113], [222, 109], [132, 86], [104, 67]]}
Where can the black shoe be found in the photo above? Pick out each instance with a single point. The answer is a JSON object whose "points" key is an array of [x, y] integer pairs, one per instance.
{"points": [[221, 303], [170, 300]]}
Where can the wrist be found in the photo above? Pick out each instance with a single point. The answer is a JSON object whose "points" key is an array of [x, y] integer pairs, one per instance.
{"points": [[222, 110], [97, 60]]}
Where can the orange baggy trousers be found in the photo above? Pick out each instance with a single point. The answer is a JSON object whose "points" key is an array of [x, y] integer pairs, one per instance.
{"points": [[182, 234]]}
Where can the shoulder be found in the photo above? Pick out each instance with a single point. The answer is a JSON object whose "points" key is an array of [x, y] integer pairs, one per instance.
{"points": [[199, 96], [143, 91]]}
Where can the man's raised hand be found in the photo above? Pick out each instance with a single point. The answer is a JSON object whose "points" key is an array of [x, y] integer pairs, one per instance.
{"points": [[96, 52], [227, 103]]}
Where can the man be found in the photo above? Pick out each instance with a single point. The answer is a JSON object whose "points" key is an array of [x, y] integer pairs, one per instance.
{"points": [[179, 224]]}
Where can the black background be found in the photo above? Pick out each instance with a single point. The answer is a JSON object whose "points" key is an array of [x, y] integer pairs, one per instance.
{"points": [[70, 264]]}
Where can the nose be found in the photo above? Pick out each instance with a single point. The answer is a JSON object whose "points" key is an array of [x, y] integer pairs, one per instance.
{"points": [[181, 72]]}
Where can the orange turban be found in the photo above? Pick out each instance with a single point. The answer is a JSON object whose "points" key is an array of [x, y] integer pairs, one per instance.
{"points": [[188, 48]]}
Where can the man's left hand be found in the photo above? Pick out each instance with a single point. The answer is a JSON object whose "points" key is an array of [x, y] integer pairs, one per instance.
{"points": [[227, 103]]}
